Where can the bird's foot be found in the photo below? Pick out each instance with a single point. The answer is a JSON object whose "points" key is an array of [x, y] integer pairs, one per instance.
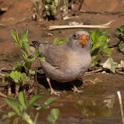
{"points": [[76, 90], [53, 92]]}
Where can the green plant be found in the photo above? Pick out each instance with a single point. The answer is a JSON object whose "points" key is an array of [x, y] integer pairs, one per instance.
{"points": [[99, 45], [22, 72], [50, 7], [53, 116], [120, 33], [18, 77], [22, 42], [58, 41], [21, 108], [46, 104], [38, 9]]}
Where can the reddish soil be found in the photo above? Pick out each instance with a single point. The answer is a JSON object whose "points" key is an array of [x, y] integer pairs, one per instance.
{"points": [[19, 15]]}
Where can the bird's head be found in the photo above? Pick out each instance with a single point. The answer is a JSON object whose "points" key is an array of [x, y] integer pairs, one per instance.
{"points": [[80, 39]]}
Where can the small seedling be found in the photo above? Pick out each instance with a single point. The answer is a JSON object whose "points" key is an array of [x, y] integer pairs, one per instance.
{"points": [[20, 79], [22, 71], [22, 42], [99, 45], [46, 104], [58, 41], [21, 108], [53, 116], [51, 8], [120, 34]]}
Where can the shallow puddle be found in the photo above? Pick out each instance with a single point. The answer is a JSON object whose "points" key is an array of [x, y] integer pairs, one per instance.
{"points": [[97, 104], [79, 109]]}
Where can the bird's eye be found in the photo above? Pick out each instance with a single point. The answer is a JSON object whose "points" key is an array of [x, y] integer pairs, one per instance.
{"points": [[75, 36]]}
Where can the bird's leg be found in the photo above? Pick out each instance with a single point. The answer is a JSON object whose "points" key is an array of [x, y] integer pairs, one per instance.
{"points": [[52, 91], [76, 90]]}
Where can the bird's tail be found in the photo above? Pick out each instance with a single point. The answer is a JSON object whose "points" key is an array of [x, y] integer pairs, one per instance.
{"points": [[35, 44]]}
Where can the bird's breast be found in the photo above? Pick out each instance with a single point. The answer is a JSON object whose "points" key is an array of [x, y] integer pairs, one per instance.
{"points": [[79, 62]]}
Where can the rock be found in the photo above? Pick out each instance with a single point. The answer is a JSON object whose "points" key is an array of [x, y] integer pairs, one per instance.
{"points": [[102, 5]]}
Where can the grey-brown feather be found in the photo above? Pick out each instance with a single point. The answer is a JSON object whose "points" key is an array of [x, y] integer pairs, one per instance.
{"points": [[64, 63]]}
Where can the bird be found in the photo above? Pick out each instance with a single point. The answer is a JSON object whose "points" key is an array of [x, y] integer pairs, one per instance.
{"points": [[66, 62]]}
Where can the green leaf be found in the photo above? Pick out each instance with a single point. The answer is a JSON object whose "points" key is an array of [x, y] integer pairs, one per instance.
{"points": [[13, 104], [18, 66], [53, 116], [94, 61], [48, 1], [96, 46], [24, 78], [16, 39], [120, 33], [33, 100], [56, 2], [27, 118], [9, 115], [99, 45], [37, 52], [22, 101], [14, 35], [121, 46], [25, 42], [42, 59], [46, 103], [16, 76], [107, 51], [58, 41], [102, 39], [93, 37], [50, 101], [31, 72]]}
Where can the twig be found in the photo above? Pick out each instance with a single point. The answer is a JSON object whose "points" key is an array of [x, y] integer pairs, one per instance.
{"points": [[106, 25], [102, 13], [119, 71], [2, 25], [121, 105], [2, 95], [93, 71], [2, 75]]}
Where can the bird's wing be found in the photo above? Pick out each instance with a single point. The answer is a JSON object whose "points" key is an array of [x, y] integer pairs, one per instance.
{"points": [[55, 55], [55, 73], [43, 48]]}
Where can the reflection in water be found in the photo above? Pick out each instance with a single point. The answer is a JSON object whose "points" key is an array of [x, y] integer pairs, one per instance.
{"points": [[109, 101], [98, 107]]}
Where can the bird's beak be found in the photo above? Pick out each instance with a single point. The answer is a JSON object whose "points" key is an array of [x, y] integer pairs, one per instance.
{"points": [[83, 40]]}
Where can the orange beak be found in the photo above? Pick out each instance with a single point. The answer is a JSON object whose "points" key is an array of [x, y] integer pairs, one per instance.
{"points": [[83, 40]]}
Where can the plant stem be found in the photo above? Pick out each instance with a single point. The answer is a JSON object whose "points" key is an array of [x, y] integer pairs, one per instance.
{"points": [[121, 105]]}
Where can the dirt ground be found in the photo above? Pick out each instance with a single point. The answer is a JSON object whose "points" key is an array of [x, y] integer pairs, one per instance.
{"points": [[18, 15]]}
